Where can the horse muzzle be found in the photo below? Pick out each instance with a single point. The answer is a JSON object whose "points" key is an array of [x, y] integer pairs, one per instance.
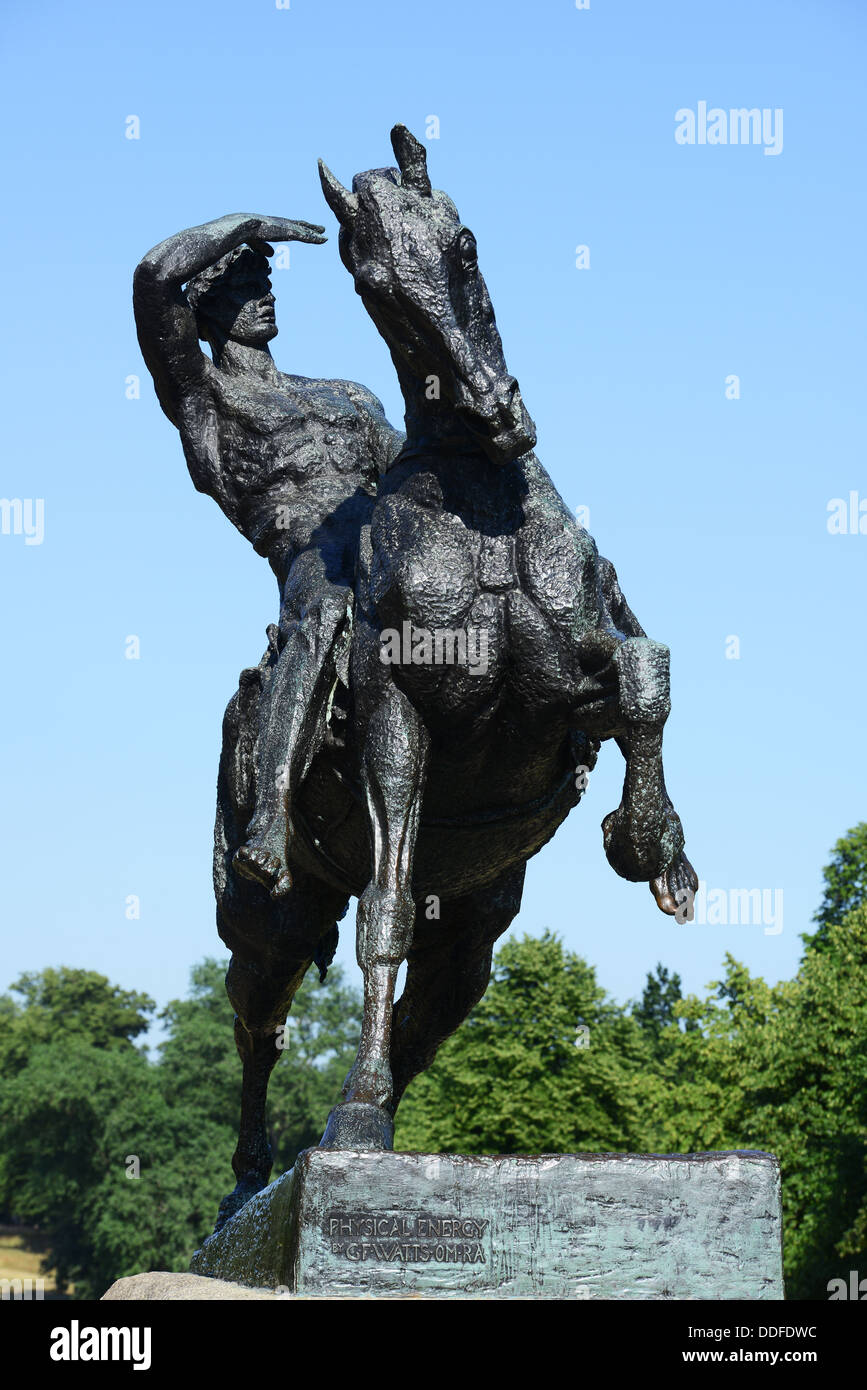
{"points": [[501, 423]]}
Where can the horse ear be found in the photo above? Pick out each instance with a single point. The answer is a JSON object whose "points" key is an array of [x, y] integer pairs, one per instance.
{"points": [[343, 204], [411, 159]]}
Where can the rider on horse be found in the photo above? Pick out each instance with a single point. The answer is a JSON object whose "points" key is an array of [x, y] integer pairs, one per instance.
{"points": [[293, 463]]}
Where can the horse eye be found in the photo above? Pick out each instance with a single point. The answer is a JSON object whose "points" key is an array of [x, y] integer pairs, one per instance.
{"points": [[467, 248]]}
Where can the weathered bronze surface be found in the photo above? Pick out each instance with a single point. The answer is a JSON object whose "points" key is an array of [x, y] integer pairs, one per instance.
{"points": [[451, 649], [543, 1226]]}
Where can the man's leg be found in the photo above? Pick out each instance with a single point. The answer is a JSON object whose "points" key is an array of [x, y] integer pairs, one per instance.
{"points": [[314, 617]]}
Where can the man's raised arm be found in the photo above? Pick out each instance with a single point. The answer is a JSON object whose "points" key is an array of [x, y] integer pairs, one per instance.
{"points": [[165, 322]]}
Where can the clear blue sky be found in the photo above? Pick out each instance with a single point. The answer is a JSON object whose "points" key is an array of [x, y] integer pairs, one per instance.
{"points": [[557, 129]]}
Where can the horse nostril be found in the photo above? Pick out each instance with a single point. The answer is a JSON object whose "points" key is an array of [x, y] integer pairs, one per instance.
{"points": [[509, 404], [595, 650]]}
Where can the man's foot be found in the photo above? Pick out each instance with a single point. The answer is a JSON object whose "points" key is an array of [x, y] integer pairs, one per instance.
{"points": [[262, 860], [675, 889]]}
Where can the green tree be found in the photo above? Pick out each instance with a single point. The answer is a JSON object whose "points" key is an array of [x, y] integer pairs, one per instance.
{"points": [[122, 1161], [95, 1157], [546, 1062], [656, 1011], [200, 1067], [845, 884], [64, 1003], [321, 1039], [784, 1068]]}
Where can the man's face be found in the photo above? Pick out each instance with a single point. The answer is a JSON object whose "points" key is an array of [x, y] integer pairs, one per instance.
{"points": [[245, 310]]}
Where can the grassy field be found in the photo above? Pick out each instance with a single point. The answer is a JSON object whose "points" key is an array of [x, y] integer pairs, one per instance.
{"points": [[21, 1254]]}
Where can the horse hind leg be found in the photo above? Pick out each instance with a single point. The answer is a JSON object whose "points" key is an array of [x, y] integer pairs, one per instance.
{"points": [[273, 945], [261, 1000]]}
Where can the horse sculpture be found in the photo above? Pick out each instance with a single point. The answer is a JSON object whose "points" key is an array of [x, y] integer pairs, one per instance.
{"points": [[437, 778]]}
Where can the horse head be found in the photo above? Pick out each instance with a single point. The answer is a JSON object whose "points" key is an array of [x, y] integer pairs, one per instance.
{"points": [[415, 266]]}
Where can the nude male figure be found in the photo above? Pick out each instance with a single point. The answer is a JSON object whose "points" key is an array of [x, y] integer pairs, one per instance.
{"points": [[292, 462]]}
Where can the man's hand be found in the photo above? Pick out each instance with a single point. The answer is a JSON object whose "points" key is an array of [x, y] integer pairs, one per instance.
{"points": [[177, 259], [283, 229], [166, 324]]}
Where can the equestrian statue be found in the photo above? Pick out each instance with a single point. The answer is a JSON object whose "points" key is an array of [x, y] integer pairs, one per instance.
{"points": [[450, 652]]}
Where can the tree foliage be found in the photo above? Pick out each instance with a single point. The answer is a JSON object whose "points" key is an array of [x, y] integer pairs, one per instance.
{"points": [[845, 884], [63, 1004], [122, 1158], [546, 1062], [784, 1068]]}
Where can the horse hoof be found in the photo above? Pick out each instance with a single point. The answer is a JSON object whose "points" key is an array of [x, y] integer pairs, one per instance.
{"points": [[236, 1199], [358, 1125], [639, 847], [675, 889]]}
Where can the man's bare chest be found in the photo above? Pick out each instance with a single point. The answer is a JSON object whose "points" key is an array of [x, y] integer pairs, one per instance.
{"points": [[267, 436]]}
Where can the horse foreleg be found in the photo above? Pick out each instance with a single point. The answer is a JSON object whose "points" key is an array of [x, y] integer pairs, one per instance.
{"points": [[393, 772], [644, 835], [677, 879]]}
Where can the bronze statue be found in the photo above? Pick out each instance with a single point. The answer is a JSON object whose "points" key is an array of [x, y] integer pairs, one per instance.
{"points": [[292, 462], [367, 754]]}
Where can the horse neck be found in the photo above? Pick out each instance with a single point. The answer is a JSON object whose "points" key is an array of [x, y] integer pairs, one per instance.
{"points": [[429, 423]]}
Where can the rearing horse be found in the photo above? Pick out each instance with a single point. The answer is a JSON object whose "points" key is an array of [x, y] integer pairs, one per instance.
{"points": [[466, 772], [434, 783]]}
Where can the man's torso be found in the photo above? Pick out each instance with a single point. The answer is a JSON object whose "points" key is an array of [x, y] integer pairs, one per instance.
{"points": [[293, 452]]}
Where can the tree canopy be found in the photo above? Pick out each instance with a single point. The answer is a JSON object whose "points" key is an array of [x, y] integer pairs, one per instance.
{"points": [[122, 1158], [845, 880]]}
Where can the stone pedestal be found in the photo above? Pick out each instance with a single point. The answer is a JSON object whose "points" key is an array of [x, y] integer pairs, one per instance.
{"points": [[561, 1226]]}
